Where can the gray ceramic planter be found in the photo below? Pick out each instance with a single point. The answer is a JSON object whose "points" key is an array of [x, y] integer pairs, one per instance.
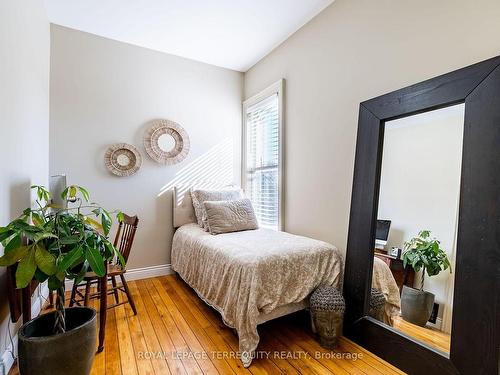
{"points": [[416, 305], [42, 353]]}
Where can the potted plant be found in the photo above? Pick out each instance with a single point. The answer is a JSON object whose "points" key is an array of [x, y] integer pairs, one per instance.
{"points": [[421, 253], [52, 244]]}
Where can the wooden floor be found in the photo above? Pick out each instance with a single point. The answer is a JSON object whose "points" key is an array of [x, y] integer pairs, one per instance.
{"points": [[175, 332], [432, 337]]}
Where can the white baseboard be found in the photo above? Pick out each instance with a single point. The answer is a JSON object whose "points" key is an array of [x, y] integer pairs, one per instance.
{"points": [[7, 359], [148, 272], [139, 273], [437, 325]]}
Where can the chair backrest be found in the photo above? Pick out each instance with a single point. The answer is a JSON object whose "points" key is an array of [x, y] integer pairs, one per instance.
{"points": [[125, 235]]}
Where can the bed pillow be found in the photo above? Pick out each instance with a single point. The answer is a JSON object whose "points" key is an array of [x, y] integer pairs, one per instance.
{"points": [[199, 197], [230, 216]]}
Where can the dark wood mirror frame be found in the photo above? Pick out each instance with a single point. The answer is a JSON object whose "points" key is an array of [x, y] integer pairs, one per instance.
{"points": [[475, 337]]}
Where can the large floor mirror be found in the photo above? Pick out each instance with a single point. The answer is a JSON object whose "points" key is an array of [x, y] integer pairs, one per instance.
{"points": [[425, 218]]}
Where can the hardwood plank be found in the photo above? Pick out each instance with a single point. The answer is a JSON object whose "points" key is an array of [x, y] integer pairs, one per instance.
{"points": [[193, 322], [190, 338], [432, 337], [181, 349], [303, 364], [168, 282], [113, 361], [127, 355], [259, 365], [99, 366], [211, 314], [174, 364], [171, 319], [159, 363], [309, 345], [370, 358], [144, 365]]}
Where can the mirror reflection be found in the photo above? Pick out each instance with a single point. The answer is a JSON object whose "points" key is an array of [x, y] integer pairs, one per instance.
{"points": [[415, 243]]}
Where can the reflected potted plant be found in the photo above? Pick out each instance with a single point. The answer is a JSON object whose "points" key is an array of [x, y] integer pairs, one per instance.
{"points": [[422, 253], [52, 244]]}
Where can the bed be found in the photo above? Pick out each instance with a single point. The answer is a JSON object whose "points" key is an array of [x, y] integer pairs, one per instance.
{"points": [[252, 276], [383, 281]]}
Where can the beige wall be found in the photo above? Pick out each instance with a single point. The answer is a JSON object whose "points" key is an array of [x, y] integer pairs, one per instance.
{"points": [[103, 92], [352, 51], [24, 116], [420, 183]]}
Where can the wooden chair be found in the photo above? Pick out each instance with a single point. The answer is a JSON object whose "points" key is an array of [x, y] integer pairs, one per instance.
{"points": [[123, 242]]}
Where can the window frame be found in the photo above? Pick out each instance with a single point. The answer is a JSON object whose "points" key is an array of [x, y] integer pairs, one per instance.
{"points": [[276, 88]]}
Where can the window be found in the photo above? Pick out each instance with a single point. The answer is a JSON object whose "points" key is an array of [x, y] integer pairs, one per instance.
{"points": [[263, 155]]}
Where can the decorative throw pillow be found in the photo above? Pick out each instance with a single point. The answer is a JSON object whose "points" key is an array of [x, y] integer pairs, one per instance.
{"points": [[201, 196], [230, 216]]}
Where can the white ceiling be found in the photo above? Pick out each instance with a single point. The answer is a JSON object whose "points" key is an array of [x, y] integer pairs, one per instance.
{"points": [[234, 34]]}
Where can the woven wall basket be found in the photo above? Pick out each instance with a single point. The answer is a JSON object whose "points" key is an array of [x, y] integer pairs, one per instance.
{"points": [[122, 159], [177, 132]]}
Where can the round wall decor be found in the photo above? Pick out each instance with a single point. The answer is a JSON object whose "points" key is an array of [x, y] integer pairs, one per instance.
{"points": [[166, 142], [122, 159]]}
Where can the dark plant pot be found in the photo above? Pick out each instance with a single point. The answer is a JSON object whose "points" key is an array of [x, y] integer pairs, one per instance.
{"points": [[72, 352], [416, 305]]}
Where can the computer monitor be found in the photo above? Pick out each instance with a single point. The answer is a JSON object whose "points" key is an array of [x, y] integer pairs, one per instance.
{"points": [[382, 233]]}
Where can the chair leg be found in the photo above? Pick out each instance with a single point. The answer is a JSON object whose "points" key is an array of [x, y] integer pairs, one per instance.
{"points": [[87, 293], [115, 291], [51, 298], [127, 292], [73, 295]]}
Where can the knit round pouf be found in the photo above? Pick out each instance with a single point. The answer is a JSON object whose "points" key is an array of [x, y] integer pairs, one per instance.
{"points": [[327, 314]]}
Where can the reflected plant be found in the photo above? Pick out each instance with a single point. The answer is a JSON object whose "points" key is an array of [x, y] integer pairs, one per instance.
{"points": [[425, 253], [51, 243]]}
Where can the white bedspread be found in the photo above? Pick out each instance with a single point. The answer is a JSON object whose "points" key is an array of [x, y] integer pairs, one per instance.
{"points": [[246, 274]]}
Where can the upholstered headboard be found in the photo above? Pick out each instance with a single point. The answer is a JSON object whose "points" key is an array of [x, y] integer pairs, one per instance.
{"points": [[182, 205]]}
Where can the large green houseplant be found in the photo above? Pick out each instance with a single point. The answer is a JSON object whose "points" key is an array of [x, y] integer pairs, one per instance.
{"points": [[422, 253], [50, 243]]}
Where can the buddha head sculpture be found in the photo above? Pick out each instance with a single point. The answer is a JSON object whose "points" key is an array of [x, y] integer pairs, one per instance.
{"points": [[327, 310], [377, 305]]}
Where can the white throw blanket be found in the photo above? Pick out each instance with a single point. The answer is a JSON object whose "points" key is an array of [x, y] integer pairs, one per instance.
{"points": [[246, 274]]}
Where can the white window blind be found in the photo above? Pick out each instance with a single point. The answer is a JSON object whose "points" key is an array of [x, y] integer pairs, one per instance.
{"points": [[262, 170]]}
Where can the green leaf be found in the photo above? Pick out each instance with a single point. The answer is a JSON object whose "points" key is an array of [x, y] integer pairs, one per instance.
{"points": [[41, 192], [5, 233], [44, 235], [70, 259], [106, 222], [119, 216], [93, 223], [61, 275], [69, 240], [37, 219], [81, 274], [13, 256], [26, 269], [72, 191], [112, 251], [40, 276], [96, 261], [64, 194], [54, 283], [45, 260], [85, 193], [14, 243]]}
